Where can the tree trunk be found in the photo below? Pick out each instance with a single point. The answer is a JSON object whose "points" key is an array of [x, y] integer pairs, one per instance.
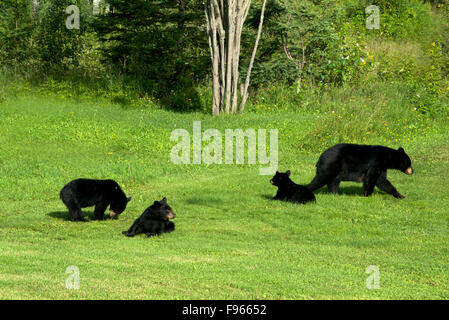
{"points": [[213, 20], [225, 19], [248, 74], [303, 62]]}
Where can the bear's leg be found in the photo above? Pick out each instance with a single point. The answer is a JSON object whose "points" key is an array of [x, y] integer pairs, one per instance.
{"points": [[320, 180], [69, 199], [151, 234], [169, 226], [279, 195], [72, 211], [135, 229], [334, 186], [126, 232], [386, 186], [155, 229], [325, 174], [80, 216], [370, 180], [77, 215], [75, 211], [99, 210]]}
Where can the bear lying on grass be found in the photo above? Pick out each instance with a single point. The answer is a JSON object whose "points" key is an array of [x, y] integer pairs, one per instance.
{"points": [[82, 193], [290, 191], [153, 221], [360, 163]]}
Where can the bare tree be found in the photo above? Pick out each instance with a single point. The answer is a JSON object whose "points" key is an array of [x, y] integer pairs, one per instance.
{"points": [[225, 19]]}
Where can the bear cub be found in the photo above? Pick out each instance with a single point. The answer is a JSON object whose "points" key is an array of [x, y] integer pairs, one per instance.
{"points": [[360, 163], [154, 220], [82, 193], [290, 191]]}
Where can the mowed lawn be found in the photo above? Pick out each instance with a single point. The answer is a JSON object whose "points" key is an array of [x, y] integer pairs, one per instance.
{"points": [[231, 240]]}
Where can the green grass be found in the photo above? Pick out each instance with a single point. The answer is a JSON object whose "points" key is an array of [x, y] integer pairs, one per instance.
{"points": [[231, 240]]}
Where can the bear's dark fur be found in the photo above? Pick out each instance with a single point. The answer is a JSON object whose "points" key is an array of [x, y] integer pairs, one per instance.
{"points": [[360, 163], [290, 191], [153, 221], [82, 193]]}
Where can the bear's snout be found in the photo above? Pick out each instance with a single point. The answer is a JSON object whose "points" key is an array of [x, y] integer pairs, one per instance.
{"points": [[171, 215], [271, 181], [112, 213], [409, 171]]}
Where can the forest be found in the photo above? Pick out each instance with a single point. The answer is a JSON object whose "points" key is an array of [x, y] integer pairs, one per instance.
{"points": [[156, 53]]}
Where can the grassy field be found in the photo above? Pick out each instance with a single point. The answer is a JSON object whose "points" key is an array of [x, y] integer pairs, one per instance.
{"points": [[231, 240]]}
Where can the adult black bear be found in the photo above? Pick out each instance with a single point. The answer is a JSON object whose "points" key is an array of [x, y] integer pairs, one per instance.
{"points": [[360, 163], [290, 191], [82, 193], [153, 221]]}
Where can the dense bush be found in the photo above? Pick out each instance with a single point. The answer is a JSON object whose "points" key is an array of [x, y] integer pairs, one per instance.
{"points": [[140, 50], [16, 27]]}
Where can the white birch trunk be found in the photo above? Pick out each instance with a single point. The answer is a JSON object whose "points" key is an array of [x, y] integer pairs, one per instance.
{"points": [[225, 19]]}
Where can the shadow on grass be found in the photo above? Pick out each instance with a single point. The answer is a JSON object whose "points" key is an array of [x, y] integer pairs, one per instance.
{"points": [[65, 215], [351, 191], [267, 196], [204, 201]]}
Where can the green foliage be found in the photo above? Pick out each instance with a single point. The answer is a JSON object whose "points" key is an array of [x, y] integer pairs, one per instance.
{"points": [[400, 19], [389, 113], [57, 46], [16, 25], [333, 51], [300, 36], [138, 51], [348, 60], [155, 43]]}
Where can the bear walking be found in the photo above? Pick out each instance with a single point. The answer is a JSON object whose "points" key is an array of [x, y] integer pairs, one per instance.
{"points": [[360, 163], [290, 191], [154, 220], [82, 193]]}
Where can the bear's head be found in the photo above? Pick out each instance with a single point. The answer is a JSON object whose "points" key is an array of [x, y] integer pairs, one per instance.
{"points": [[160, 210], [118, 203], [403, 162], [280, 178]]}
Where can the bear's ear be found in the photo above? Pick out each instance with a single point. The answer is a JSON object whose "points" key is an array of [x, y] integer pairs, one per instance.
{"points": [[288, 173], [156, 203], [164, 201], [401, 150], [128, 199]]}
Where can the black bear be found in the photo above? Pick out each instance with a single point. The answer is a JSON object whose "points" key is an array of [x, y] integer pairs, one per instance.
{"points": [[153, 221], [290, 191], [360, 163], [82, 193]]}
